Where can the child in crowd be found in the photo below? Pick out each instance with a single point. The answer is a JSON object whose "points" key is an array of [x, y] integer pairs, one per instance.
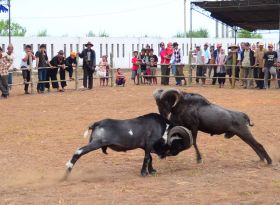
{"points": [[120, 78], [221, 70], [101, 71], [135, 70], [153, 60]]}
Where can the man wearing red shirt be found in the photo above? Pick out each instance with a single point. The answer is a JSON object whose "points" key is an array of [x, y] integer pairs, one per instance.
{"points": [[135, 67], [165, 55]]}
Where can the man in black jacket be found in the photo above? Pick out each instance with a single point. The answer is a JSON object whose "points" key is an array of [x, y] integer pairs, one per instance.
{"points": [[89, 64], [57, 62]]}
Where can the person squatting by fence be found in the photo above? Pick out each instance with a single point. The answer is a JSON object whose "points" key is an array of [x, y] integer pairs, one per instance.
{"points": [[89, 64], [120, 78], [71, 63], [5, 63]]}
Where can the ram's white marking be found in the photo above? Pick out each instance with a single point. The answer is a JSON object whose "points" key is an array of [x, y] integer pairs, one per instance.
{"points": [[79, 151], [69, 164], [168, 116], [86, 133], [99, 132], [165, 133], [130, 132]]}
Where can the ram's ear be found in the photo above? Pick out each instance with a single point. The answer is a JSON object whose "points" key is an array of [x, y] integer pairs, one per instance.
{"points": [[157, 93], [172, 96]]}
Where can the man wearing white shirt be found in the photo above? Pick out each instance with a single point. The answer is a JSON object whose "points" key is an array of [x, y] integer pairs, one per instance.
{"points": [[10, 50], [200, 61], [27, 56]]}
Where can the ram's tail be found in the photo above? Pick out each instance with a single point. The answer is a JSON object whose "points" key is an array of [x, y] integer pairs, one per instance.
{"points": [[250, 123], [90, 127]]}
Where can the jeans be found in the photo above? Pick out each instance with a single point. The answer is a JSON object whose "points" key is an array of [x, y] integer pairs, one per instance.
{"points": [[266, 76], [165, 70], [200, 74], [248, 73], [173, 69], [62, 77], [42, 73], [26, 78], [52, 74], [179, 72], [88, 77], [10, 79], [278, 77], [4, 85]]}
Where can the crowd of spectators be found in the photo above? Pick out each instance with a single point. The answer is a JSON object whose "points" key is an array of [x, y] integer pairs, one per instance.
{"points": [[250, 62]]}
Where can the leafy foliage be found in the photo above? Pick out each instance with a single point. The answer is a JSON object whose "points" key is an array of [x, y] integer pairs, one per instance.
{"points": [[247, 34], [16, 29], [42, 33], [200, 33]]}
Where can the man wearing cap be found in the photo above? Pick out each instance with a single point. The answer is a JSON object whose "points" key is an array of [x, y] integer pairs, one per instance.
{"points": [[247, 60], [71, 62], [258, 73], [216, 56], [177, 63], [229, 61], [42, 62], [269, 63], [89, 64], [58, 62]]}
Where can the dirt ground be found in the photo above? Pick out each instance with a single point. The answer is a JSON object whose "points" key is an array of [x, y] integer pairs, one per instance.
{"points": [[39, 133]]}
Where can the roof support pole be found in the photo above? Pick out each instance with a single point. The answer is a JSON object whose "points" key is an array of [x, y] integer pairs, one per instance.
{"points": [[191, 32]]}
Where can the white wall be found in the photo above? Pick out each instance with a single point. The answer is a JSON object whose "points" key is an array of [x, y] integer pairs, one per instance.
{"points": [[120, 59]]}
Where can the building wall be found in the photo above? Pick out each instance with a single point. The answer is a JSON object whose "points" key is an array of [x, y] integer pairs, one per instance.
{"points": [[120, 47]]}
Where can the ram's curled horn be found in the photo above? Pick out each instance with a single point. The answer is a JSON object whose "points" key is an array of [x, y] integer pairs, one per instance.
{"points": [[171, 93], [157, 94], [182, 134]]}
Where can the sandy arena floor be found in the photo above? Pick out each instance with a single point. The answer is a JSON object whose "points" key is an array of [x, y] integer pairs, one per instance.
{"points": [[39, 133]]}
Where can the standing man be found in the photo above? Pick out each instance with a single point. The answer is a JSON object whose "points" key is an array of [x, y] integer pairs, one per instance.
{"points": [[26, 59], [42, 62], [10, 50], [200, 61], [71, 62], [258, 73], [278, 64], [247, 60], [89, 64], [177, 56], [216, 56], [5, 62], [166, 56], [270, 60], [163, 67]]}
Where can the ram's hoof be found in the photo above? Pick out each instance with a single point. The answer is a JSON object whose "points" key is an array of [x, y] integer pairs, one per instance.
{"points": [[153, 172], [144, 173], [199, 161]]}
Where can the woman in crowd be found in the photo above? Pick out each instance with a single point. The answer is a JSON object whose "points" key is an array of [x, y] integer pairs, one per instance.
{"points": [[221, 70]]}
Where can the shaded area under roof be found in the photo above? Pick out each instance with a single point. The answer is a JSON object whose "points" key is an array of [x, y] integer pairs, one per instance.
{"points": [[247, 14]]}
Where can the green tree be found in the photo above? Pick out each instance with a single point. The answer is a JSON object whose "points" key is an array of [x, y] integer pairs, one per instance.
{"points": [[16, 29], [103, 34], [200, 33], [90, 34], [42, 33], [247, 34]]}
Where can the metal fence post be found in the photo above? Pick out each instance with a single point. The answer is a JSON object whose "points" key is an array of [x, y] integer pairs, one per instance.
{"points": [[31, 74], [190, 69], [233, 69], [76, 72]]}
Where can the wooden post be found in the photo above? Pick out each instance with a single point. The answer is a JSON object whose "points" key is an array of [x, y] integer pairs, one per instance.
{"points": [[190, 69], [76, 72], [233, 69], [111, 67], [31, 74]]}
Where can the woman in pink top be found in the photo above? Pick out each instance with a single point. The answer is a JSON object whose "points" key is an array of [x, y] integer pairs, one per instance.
{"points": [[221, 70]]}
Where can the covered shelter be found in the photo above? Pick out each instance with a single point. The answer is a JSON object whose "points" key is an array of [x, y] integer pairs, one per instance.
{"points": [[250, 15]]}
